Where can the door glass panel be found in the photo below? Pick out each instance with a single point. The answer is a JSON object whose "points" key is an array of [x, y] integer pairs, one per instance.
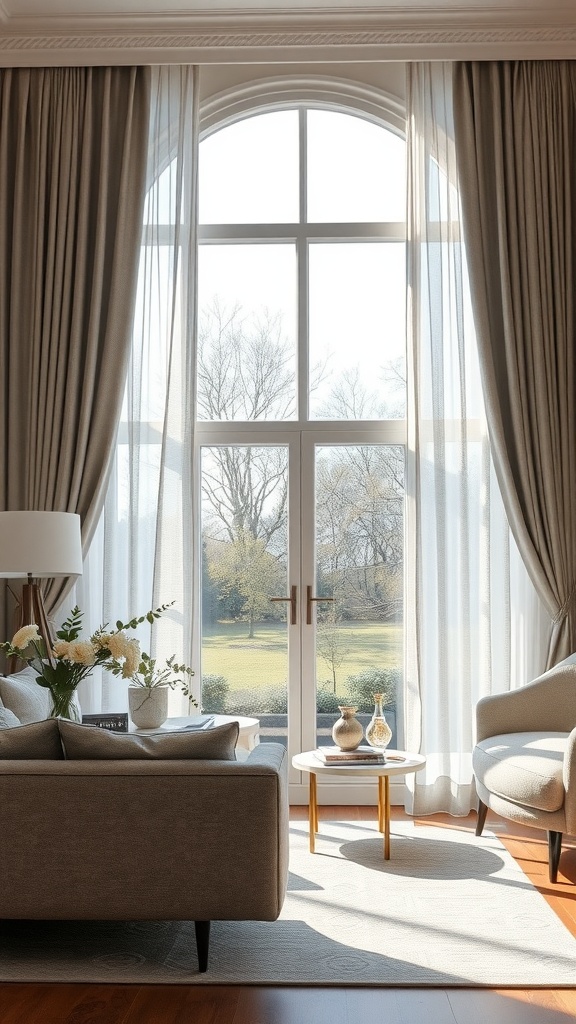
{"points": [[357, 330], [244, 563], [247, 332], [359, 541]]}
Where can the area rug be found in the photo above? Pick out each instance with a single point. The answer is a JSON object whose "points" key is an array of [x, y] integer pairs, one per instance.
{"points": [[448, 909]]}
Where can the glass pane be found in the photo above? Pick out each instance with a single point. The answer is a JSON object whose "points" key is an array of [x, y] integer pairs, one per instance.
{"points": [[356, 170], [249, 171], [244, 563], [357, 330], [247, 332], [359, 565]]}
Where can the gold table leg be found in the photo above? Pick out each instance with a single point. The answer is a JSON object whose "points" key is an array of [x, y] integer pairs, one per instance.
{"points": [[384, 812], [312, 811]]}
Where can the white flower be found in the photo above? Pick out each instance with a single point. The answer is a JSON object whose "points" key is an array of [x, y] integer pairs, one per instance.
{"points": [[60, 648], [81, 652], [118, 645], [102, 640], [131, 659], [25, 636]]}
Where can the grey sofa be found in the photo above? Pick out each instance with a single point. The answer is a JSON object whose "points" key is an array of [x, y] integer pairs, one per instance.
{"points": [[145, 839], [525, 756]]}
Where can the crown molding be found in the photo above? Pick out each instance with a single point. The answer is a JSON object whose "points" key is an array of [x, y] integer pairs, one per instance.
{"points": [[291, 36]]}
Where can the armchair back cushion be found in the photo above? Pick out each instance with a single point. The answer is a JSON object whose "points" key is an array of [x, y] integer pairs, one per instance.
{"points": [[532, 708]]}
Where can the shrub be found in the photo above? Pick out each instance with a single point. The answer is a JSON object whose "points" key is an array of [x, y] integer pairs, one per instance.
{"points": [[362, 687], [327, 701], [266, 700], [214, 693]]}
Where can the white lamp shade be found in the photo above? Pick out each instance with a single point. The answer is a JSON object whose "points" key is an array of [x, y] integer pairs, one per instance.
{"points": [[40, 544]]}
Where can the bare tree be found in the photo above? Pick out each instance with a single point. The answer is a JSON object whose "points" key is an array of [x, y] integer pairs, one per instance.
{"points": [[246, 366]]}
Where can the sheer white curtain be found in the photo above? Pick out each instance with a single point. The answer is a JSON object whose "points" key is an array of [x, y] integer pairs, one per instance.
{"points": [[143, 551], [474, 623]]}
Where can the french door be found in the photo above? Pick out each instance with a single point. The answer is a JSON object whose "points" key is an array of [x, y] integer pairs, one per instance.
{"points": [[302, 541]]}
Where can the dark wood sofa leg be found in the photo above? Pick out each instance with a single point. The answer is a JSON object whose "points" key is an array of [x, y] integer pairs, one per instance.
{"points": [[482, 812], [202, 943], [554, 850]]}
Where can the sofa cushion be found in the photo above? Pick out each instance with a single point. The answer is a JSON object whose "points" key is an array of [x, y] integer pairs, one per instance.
{"points": [[36, 741], [22, 695], [84, 742], [8, 718], [524, 767], [29, 701]]}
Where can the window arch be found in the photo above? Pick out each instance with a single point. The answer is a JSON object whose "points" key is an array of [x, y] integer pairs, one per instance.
{"points": [[301, 232]]}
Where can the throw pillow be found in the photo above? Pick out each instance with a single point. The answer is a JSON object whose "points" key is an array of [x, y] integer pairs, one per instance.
{"points": [[8, 719], [22, 695], [37, 741], [82, 742]]}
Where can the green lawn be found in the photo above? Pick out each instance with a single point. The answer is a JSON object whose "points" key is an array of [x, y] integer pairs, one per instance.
{"points": [[263, 660]]}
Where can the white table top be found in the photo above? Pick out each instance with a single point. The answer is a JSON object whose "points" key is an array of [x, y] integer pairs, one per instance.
{"points": [[308, 762]]}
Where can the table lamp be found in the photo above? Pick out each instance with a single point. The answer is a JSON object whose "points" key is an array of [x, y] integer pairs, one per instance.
{"points": [[34, 546]]}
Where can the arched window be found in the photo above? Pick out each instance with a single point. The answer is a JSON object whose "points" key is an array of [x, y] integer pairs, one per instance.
{"points": [[301, 404]]}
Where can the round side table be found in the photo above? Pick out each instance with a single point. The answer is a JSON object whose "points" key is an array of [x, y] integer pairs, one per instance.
{"points": [[399, 762]]}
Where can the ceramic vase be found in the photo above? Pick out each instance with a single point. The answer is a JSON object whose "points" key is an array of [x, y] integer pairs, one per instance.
{"points": [[378, 732], [148, 706], [347, 732]]}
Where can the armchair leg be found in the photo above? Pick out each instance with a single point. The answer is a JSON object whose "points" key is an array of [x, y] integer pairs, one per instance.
{"points": [[482, 812], [554, 849], [202, 943]]}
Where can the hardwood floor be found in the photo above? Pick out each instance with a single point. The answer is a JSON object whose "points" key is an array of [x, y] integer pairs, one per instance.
{"points": [[155, 1004]]}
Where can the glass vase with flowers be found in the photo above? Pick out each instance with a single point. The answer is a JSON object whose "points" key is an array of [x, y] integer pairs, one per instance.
{"points": [[73, 659]]}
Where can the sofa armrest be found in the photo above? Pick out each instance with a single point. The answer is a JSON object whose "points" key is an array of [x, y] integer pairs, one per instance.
{"points": [[549, 702], [271, 755]]}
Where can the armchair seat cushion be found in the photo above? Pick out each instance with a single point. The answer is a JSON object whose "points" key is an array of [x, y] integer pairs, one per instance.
{"points": [[524, 767]]}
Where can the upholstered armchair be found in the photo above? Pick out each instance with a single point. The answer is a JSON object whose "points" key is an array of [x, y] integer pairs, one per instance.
{"points": [[525, 756]]}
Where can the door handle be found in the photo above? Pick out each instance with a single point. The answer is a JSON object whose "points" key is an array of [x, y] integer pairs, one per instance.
{"points": [[292, 601], [309, 600]]}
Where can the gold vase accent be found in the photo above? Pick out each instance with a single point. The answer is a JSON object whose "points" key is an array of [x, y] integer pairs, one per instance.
{"points": [[347, 732], [378, 732]]}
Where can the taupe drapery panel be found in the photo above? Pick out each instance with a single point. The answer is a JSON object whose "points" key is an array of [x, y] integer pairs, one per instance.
{"points": [[515, 128], [73, 145]]}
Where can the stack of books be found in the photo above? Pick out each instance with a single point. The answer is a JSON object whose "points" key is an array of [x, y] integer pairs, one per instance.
{"points": [[361, 756]]}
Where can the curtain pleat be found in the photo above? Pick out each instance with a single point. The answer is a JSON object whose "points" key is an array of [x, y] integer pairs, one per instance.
{"points": [[143, 553], [72, 179], [474, 625], [516, 145]]}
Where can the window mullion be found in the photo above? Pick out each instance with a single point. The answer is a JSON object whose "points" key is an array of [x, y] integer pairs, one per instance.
{"points": [[302, 265]]}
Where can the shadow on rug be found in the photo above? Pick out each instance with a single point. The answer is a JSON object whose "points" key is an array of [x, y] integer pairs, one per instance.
{"points": [[448, 909]]}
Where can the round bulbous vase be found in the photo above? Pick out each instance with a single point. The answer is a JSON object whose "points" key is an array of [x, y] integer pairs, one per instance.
{"points": [[378, 732], [347, 732], [148, 706]]}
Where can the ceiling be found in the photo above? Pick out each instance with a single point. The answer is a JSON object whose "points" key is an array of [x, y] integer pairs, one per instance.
{"points": [[51, 32]]}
